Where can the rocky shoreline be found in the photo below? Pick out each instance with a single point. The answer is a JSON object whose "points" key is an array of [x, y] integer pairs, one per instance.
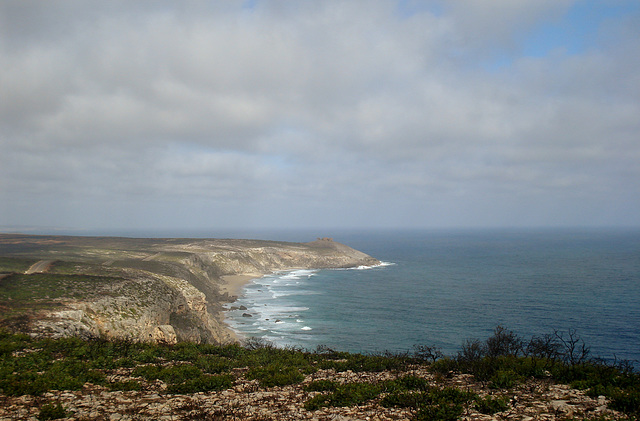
{"points": [[163, 290]]}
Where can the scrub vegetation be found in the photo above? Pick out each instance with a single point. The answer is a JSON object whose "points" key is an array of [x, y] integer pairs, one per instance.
{"points": [[503, 362]]}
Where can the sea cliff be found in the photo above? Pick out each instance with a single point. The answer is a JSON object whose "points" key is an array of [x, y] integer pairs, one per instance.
{"points": [[163, 290]]}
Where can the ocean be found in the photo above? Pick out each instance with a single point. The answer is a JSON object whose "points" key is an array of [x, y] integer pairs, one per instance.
{"points": [[441, 288]]}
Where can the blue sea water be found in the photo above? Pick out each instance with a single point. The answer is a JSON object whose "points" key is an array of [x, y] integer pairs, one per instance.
{"points": [[441, 288]]}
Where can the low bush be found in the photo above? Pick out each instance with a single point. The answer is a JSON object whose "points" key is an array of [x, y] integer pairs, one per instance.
{"points": [[321, 386], [443, 411], [627, 401], [50, 411], [434, 404], [204, 383], [348, 394], [266, 356], [444, 404], [171, 374], [504, 379], [445, 366], [316, 402], [362, 363], [213, 364], [490, 405], [184, 351], [276, 374], [404, 400]]}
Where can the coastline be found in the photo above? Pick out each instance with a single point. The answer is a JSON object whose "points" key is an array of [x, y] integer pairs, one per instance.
{"points": [[151, 266], [232, 286]]}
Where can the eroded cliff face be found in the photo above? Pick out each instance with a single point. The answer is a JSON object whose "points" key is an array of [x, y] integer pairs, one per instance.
{"points": [[147, 307], [164, 290]]}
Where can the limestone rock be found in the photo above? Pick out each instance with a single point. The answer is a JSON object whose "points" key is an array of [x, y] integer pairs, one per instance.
{"points": [[165, 334]]}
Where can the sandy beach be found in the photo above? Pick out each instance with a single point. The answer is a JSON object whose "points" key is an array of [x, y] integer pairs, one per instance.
{"points": [[233, 284]]}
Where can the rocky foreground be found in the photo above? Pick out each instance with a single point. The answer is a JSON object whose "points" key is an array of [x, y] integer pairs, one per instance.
{"points": [[165, 290], [247, 400]]}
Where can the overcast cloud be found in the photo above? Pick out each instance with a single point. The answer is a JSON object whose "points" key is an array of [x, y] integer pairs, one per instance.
{"points": [[359, 113]]}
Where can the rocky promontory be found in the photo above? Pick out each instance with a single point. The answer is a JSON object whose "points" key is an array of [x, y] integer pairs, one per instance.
{"points": [[163, 290]]}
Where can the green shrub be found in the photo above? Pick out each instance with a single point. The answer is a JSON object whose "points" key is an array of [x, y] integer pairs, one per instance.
{"points": [[413, 383], [10, 343], [348, 394], [126, 362], [213, 364], [489, 405], [178, 373], [317, 402], [170, 374], [275, 374], [440, 412], [184, 351], [233, 351], [365, 363], [50, 411], [451, 394], [351, 394], [504, 379], [204, 383], [627, 401], [260, 358], [444, 404], [149, 372], [27, 383], [147, 357], [445, 366], [321, 386], [33, 375]]}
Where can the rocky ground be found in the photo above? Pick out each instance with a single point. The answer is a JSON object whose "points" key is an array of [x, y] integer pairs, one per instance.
{"points": [[533, 400]]}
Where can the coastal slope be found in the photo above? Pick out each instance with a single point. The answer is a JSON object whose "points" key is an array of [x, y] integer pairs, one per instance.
{"points": [[164, 290]]}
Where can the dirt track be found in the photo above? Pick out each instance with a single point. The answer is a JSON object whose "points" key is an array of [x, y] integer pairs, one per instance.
{"points": [[39, 267]]}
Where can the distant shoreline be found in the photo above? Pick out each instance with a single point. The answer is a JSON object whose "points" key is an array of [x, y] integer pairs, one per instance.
{"points": [[149, 289]]}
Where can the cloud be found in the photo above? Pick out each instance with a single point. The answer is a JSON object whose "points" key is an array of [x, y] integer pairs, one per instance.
{"points": [[356, 106]]}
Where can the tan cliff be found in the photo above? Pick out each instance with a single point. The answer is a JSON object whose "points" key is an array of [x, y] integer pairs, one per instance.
{"points": [[164, 290]]}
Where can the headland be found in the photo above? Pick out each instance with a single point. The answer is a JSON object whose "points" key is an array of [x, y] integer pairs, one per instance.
{"points": [[150, 289]]}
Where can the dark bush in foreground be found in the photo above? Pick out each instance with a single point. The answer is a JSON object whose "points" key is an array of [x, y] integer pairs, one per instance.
{"points": [[203, 383], [505, 360], [403, 400], [276, 374], [348, 394], [50, 411], [489, 405], [321, 386]]}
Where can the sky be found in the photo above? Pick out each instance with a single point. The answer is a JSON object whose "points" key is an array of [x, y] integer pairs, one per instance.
{"points": [[330, 113]]}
